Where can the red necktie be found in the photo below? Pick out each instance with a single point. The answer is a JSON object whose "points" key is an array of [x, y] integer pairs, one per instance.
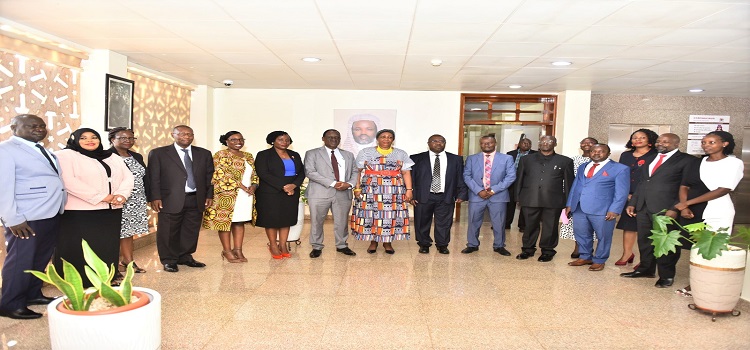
{"points": [[658, 163], [591, 171], [335, 166]]}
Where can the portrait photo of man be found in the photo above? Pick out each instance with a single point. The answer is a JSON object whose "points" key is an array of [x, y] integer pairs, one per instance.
{"points": [[361, 126]]}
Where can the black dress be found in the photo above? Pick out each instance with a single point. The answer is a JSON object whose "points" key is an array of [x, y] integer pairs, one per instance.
{"points": [[626, 222], [275, 208]]}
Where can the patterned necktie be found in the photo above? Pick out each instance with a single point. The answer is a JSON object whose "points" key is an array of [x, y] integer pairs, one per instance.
{"points": [[435, 187], [658, 163], [487, 171], [335, 166], [44, 153], [590, 173], [189, 169]]}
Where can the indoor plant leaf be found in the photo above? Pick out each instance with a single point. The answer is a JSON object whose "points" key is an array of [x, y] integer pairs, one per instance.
{"points": [[710, 244], [96, 263], [113, 296], [665, 242]]}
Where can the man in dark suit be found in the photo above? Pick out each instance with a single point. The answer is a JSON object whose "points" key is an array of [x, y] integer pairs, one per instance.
{"points": [[31, 202], [180, 190], [437, 178], [542, 187], [488, 175], [657, 190], [524, 149]]}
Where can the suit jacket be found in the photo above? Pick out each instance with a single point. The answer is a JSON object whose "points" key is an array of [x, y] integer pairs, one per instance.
{"points": [[606, 191], [270, 169], [319, 170], [502, 175], [421, 177], [32, 190], [87, 182], [167, 177], [512, 189], [661, 190], [544, 181]]}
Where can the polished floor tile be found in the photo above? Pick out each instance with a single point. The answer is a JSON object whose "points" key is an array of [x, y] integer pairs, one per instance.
{"points": [[410, 300]]}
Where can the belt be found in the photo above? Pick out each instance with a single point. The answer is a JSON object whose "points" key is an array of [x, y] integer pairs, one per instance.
{"points": [[190, 193], [383, 172]]}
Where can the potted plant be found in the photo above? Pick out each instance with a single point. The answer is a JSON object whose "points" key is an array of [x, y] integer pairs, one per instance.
{"points": [[717, 261], [85, 318], [296, 230]]}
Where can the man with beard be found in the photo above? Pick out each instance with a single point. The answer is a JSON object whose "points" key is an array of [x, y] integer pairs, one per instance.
{"points": [[363, 130]]}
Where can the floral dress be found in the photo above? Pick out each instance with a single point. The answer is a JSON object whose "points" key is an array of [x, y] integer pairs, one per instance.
{"points": [[381, 214], [566, 230], [230, 171]]}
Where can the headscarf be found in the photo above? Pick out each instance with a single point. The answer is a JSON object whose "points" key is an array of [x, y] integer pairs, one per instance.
{"points": [[99, 153]]}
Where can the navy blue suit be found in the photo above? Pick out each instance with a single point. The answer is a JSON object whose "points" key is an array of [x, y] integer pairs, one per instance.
{"points": [[590, 200], [502, 175]]}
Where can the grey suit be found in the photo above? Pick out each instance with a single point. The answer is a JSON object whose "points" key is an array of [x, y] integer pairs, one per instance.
{"points": [[322, 197]]}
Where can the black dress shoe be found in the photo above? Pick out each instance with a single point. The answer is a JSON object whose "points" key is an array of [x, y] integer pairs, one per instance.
{"points": [[192, 263], [502, 251], [520, 229], [171, 268], [345, 251], [424, 250], [443, 250], [575, 255], [664, 282], [469, 250], [524, 256], [545, 258], [20, 314], [637, 274], [315, 253], [39, 301]]}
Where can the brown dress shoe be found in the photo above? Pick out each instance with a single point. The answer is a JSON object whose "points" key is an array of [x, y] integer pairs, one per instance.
{"points": [[596, 267], [580, 262]]}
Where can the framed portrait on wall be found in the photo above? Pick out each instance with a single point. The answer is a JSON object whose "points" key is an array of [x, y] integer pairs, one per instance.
{"points": [[118, 110]]}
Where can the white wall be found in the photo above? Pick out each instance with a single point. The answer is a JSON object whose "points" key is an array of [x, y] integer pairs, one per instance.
{"points": [[94, 87], [573, 111], [305, 114]]}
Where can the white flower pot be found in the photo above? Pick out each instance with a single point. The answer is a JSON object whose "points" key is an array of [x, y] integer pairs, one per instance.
{"points": [[142, 327], [716, 284], [296, 230]]}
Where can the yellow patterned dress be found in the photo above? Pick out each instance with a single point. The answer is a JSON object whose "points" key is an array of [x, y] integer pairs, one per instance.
{"points": [[231, 170]]}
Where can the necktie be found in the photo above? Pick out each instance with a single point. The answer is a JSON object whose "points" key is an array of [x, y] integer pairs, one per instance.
{"points": [[335, 166], [435, 187], [44, 153], [189, 169], [590, 174], [658, 163], [487, 171]]}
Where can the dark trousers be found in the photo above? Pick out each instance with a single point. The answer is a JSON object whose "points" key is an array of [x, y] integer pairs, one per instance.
{"points": [[666, 264], [27, 254], [511, 212], [443, 213], [549, 218], [177, 234]]}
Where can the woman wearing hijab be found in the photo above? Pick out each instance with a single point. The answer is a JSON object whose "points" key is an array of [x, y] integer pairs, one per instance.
{"points": [[98, 184]]}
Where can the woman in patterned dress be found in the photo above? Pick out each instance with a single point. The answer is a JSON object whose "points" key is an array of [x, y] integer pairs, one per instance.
{"points": [[566, 230], [234, 183], [639, 148], [380, 213], [134, 213]]}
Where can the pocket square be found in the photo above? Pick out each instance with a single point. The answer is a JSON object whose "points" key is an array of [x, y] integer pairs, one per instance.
{"points": [[604, 173]]}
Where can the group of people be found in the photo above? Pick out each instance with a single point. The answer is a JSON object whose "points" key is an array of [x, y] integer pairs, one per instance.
{"points": [[87, 192]]}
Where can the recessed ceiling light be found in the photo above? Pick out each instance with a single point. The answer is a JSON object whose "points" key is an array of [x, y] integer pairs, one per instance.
{"points": [[436, 62], [696, 90], [515, 86], [311, 59], [561, 63]]}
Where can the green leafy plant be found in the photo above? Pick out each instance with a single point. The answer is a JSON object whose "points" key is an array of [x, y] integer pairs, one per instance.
{"points": [[709, 243], [100, 276]]}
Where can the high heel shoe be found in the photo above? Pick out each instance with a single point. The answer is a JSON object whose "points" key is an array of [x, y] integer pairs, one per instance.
{"points": [[229, 256], [374, 248], [629, 261], [277, 257], [286, 255], [136, 269], [238, 253]]}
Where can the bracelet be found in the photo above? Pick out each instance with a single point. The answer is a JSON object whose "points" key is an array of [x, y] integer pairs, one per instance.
{"points": [[409, 189]]}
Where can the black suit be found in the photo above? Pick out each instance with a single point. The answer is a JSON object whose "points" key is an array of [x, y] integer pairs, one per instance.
{"points": [[511, 211], [655, 193], [181, 212], [276, 208], [542, 187], [439, 205]]}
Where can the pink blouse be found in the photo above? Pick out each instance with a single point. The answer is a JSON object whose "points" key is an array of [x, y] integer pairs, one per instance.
{"points": [[87, 183]]}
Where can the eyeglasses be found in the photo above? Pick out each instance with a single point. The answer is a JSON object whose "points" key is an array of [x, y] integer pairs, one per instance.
{"points": [[183, 134], [126, 138], [437, 141], [235, 140]]}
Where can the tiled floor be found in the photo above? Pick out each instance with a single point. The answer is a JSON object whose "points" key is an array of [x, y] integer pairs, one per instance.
{"points": [[411, 300]]}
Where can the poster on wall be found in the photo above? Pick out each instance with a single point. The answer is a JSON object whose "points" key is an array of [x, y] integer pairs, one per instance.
{"points": [[700, 125], [359, 126], [119, 103]]}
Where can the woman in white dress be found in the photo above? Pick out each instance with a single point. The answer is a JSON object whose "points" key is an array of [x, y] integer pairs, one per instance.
{"points": [[234, 183], [566, 230]]}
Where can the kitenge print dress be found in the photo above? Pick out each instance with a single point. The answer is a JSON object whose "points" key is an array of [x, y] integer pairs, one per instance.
{"points": [[231, 203], [380, 214]]}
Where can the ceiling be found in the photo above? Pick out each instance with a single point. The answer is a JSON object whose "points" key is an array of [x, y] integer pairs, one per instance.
{"points": [[662, 47]]}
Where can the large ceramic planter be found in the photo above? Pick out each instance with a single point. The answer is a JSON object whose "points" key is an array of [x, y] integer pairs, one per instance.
{"points": [[296, 230], [86, 330], [717, 283]]}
